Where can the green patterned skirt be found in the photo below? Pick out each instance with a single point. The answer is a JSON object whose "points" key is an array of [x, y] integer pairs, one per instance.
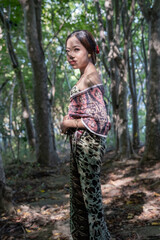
{"points": [[86, 212]]}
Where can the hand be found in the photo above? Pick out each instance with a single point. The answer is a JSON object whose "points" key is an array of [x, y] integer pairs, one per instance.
{"points": [[63, 126], [66, 118]]}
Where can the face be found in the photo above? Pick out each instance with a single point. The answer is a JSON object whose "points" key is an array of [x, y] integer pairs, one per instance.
{"points": [[77, 55]]}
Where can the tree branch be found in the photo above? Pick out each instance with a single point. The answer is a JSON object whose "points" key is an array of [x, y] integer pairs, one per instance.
{"points": [[60, 27], [12, 54], [3, 84], [131, 19]]}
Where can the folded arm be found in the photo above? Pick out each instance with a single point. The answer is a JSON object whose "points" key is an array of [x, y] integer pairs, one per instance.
{"points": [[71, 123]]}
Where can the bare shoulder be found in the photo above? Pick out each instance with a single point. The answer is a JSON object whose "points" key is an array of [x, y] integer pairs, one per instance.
{"points": [[93, 79]]}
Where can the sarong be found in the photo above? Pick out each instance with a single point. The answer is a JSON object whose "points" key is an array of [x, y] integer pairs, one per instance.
{"points": [[86, 212]]}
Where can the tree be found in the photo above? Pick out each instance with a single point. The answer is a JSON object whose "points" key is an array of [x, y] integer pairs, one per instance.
{"points": [[123, 65], [2, 182], [17, 69], [132, 86], [2, 174], [152, 16], [5, 192], [46, 154], [118, 69]]}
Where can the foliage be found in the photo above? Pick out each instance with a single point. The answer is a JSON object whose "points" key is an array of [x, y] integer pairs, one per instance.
{"points": [[59, 18]]}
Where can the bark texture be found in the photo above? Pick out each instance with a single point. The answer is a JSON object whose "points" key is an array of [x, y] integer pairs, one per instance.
{"points": [[152, 15], [46, 155], [120, 60], [132, 85], [2, 174], [112, 70]]}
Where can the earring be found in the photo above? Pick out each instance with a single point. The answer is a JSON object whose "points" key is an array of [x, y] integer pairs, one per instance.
{"points": [[89, 55]]}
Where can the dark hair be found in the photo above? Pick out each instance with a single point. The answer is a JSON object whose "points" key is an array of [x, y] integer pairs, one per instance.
{"points": [[87, 40]]}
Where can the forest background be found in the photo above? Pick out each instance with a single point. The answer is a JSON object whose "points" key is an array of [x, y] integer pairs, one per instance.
{"points": [[35, 78]]}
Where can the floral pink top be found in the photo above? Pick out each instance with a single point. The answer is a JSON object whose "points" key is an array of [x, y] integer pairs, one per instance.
{"points": [[89, 105]]}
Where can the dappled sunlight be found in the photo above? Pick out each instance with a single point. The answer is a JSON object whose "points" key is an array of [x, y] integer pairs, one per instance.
{"points": [[156, 45], [131, 197], [25, 114], [151, 209], [41, 202]]}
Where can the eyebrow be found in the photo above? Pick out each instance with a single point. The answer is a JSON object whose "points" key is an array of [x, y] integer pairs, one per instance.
{"points": [[73, 46]]}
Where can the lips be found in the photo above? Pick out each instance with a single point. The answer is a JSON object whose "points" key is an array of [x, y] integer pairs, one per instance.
{"points": [[72, 62]]}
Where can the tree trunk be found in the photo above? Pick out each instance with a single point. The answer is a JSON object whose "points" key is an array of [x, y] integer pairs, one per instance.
{"points": [[132, 85], [125, 149], [10, 119], [123, 132], [152, 149], [153, 102], [2, 115], [46, 155], [113, 69], [5, 192], [114, 74], [2, 183], [105, 49], [118, 74], [25, 106], [2, 174]]}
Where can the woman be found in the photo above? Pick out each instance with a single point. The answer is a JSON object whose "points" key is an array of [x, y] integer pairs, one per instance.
{"points": [[88, 126]]}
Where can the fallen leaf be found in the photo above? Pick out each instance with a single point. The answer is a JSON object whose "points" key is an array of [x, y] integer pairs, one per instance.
{"points": [[156, 194], [155, 223], [42, 190], [130, 215]]}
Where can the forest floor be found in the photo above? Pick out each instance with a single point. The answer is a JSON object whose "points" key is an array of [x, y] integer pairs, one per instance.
{"points": [[131, 197]]}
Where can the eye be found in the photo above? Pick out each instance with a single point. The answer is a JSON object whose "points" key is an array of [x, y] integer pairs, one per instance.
{"points": [[67, 51], [76, 49]]}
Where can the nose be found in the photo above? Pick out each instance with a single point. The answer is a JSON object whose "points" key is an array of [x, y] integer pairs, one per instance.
{"points": [[70, 55]]}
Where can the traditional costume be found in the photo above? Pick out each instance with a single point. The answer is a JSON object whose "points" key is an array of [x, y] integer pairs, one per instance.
{"points": [[87, 149]]}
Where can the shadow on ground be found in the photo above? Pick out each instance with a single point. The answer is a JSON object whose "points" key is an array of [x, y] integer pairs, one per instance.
{"points": [[131, 197]]}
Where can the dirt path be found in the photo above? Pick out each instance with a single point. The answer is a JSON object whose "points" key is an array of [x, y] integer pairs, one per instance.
{"points": [[131, 197]]}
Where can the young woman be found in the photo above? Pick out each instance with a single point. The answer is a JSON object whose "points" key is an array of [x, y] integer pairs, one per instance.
{"points": [[88, 125]]}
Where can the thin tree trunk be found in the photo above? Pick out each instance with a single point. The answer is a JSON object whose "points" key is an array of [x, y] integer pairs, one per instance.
{"points": [[5, 192], [2, 115], [46, 155], [132, 85], [2, 182], [52, 92], [25, 107], [112, 71], [144, 51], [2, 174], [124, 139], [10, 119], [153, 111], [105, 49], [152, 15]]}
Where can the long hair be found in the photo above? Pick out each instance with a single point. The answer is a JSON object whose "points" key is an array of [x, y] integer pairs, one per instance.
{"points": [[87, 40]]}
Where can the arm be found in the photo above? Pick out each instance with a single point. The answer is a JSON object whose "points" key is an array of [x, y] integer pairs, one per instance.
{"points": [[71, 123]]}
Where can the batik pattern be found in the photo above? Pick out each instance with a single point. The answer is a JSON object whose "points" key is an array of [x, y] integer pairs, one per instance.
{"points": [[87, 217], [89, 105]]}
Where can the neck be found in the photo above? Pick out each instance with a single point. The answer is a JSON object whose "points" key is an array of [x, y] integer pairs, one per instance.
{"points": [[87, 69]]}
